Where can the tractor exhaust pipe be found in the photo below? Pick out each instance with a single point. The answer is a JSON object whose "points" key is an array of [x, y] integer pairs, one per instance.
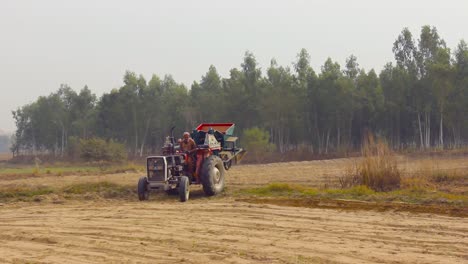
{"points": [[172, 135], [173, 146]]}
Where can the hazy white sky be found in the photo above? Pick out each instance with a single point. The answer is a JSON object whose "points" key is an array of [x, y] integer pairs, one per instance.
{"points": [[89, 42]]}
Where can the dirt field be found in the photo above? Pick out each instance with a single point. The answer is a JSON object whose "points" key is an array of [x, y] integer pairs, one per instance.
{"points": [[224, 230]]}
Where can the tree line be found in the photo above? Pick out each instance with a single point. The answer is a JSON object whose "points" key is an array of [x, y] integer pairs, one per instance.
{"points": [[4, 143], [420, 101]]}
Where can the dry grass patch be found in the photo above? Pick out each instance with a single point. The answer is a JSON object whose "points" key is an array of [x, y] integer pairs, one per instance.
{"points": [[377, 169], [11, 171], [102, 189], [24, 193], [361, 193], [430, 176]]}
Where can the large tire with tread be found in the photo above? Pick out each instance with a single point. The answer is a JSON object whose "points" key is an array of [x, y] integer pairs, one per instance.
{"points": [[143, 192], [212, 175], [184, 188]]}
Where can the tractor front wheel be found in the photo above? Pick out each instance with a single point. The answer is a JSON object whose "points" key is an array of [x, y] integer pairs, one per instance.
{"points": [[143, 192], [212, 175], [184, 188]]}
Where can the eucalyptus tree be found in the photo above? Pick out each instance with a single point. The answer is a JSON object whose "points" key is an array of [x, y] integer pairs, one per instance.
{"points": [[206, 97], [368, 102], [442, 79], [252, 82], [279, 105], [407, 84], [429, 45], [457, 109], [82, 113], [300, 87]]}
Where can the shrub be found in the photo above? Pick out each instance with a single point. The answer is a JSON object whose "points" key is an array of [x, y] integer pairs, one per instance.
{"points": [[116, 151], [277, 189], [257, 142], [73, 148], [97, 149], [377, 170]]}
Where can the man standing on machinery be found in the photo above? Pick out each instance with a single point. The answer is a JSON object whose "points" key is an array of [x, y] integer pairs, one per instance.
{"points": [[187, 145]]}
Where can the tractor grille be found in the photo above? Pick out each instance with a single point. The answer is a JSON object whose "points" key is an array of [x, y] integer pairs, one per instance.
{"points": [[156, 175], [156, 169]]}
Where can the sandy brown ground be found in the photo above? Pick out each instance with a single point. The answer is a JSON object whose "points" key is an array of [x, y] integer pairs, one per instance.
{"points": [[223, 230]]}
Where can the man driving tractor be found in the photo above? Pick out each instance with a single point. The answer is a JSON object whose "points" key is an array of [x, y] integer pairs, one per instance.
{"points": [[186, 146]]}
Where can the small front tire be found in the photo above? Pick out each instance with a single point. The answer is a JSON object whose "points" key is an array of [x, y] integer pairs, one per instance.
{"points": [[184, 188], [143, 192]]}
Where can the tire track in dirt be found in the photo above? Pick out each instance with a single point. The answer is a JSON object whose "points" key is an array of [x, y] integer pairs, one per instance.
{"points": [[224, 231]]}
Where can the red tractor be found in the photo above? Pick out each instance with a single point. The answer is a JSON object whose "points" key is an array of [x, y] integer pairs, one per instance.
{"points": [[175, 170]]}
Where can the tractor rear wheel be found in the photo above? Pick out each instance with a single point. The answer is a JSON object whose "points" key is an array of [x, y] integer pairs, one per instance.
{"points": [[212, 175], [184, 188], [143, 192]]}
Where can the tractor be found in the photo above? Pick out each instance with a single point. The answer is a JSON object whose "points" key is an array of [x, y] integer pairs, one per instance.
{"points": [[174, 171]]}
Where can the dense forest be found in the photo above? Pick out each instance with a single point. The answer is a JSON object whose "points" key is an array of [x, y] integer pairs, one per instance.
{"points": [[420, 101]]}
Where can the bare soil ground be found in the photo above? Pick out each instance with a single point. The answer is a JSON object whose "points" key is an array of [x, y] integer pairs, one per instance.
{"points": [[224, 229]]}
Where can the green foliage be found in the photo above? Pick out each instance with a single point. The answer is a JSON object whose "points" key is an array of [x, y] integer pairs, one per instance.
{"points": [[64, 169], [274, 189], [256, 141], [420, 195], [24, 192], [83, 188], [96, 149], [102, 189], [419, 101], [74, 149]]}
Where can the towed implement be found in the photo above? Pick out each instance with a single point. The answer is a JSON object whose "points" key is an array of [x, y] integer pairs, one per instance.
{"points": [[174, 171]]}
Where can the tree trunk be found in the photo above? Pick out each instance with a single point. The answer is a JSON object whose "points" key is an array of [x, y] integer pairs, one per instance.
{"points": [[56, 147], [455, 138], [317, 131], [441, 132], [281, 139], [144, 137], [429, 131], [328, 139], [63, 140], [135, 126], [420, 131], [338, 139]]}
